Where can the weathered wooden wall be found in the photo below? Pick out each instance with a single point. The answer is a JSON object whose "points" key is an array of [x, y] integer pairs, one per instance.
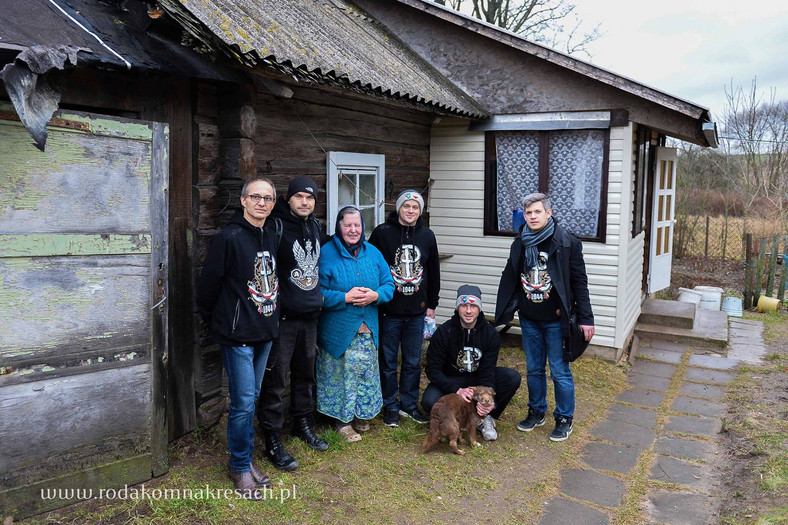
{"points": [[83, 234], [291, 137], [160, 98]]}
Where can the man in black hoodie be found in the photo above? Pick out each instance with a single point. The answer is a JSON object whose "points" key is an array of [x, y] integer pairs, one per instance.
{"points": [[238, 298], [463, 353], [293, 351], [411, 251]]}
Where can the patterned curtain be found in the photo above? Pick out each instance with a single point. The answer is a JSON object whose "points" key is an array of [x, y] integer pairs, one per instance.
{"points": [[517, 153], [575, 186], [576, 179]]}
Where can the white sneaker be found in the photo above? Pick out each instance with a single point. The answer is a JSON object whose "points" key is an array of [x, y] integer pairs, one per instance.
{"points": [[487, 428]]}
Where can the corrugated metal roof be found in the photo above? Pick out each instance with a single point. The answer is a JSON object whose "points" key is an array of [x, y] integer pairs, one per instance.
{"points": [[333, 39]]}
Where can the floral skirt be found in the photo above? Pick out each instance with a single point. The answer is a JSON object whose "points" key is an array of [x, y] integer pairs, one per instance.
{"points": [[349, 387]]}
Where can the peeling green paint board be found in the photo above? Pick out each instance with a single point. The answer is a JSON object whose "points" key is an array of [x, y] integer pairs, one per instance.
{"points": [[25, 500], [40, 245], [56, 301], [80, 184], [113, 128], [63, 413]]}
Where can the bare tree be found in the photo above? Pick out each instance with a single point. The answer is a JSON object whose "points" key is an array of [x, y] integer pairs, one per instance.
{"points": [[553, 23], [755, 131]]}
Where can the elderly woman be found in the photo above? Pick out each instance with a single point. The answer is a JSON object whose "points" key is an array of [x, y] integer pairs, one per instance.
{"points": [[354, 279]]}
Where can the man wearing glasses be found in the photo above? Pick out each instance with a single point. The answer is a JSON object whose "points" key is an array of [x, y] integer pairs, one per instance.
{"points": [[238, 298], [293, 352]]}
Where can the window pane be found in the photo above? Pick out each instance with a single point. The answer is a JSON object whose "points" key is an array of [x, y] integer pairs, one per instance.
{"points": [[575, 187], [369, 220], [366, 193], [346, 189], [518, 172]]}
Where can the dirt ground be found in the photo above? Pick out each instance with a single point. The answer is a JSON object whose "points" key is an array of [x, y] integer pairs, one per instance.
{"points": [[765, 402], [689, 272]]}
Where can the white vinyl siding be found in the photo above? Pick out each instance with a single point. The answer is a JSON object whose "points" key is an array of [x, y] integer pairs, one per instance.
{"points": [[457, 213]]}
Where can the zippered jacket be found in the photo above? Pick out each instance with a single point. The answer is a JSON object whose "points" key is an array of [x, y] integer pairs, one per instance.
{"points": [[567, 270], [412, 255], [461, 356], [297, 260], [238, 290]]}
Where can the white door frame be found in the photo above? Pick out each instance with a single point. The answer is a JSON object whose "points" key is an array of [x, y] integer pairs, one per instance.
{"points": [[662, 219]]}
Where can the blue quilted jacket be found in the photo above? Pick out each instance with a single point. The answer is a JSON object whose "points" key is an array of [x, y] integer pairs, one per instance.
{"points": [[339, 272]]}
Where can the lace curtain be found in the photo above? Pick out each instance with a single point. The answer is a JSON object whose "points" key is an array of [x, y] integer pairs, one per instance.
{"points": [[575, 167], [518, 172]]}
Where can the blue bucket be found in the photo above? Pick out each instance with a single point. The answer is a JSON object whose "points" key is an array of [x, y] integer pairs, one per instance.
{"points": [[732, 306]]}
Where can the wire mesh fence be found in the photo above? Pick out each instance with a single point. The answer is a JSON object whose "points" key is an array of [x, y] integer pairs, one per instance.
{"points": [[720, 237]]}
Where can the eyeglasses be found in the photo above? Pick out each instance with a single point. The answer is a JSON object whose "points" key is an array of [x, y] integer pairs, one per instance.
{"points": [[255, 198]]}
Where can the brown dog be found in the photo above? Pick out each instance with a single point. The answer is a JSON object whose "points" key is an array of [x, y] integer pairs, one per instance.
{"points": [[452, 414]]}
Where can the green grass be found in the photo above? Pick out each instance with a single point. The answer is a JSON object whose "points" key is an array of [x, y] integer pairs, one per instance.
{"points": [[383, 478]]}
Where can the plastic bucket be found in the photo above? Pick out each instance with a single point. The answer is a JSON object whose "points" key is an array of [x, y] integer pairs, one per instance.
{"points": [[732, 306], [711, 297], [689, 296], [768, 304]]}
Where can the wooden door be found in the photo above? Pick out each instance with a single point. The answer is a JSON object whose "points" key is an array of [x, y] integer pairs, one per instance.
{"points": [[664, 203], [83, 315]]}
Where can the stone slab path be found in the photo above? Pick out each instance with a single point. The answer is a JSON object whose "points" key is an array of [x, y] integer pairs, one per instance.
{"points": [[665, 424]]}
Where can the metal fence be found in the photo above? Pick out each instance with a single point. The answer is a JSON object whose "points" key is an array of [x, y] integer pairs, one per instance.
{"points": [[718, 237]]}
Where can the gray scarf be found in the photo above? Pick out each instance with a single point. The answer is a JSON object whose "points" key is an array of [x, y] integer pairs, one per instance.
{"points": [[532, 239]]}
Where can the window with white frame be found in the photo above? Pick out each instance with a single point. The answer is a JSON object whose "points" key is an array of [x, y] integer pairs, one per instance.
{"points": [[356, 179]]}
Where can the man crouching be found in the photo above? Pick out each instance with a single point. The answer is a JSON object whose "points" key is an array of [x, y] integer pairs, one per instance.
{"points": [[464, 353]]}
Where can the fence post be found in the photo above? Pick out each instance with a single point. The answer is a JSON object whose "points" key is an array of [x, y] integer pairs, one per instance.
{"points": [[772, 265], [725, 235], [748, 271], [706, 246], [783, 273], [759, 265]]}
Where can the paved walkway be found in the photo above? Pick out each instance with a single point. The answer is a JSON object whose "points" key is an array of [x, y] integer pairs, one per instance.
{"points": [[678, 448]]}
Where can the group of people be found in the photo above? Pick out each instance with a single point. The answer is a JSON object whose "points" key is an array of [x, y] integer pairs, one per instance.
{"points": [[341, 315]]}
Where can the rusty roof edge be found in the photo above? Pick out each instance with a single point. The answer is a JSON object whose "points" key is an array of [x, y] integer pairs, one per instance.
{"points": [[601, 74]]}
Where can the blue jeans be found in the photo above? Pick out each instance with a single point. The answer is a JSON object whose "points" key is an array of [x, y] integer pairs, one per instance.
{"points": [[543, 341], [245, 366], [407, 332]]}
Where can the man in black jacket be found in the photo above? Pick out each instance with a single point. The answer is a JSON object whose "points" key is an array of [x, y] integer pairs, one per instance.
{"points": [[238, 298], [463, 353], [293, 351], [411, 251], [545, 281]]}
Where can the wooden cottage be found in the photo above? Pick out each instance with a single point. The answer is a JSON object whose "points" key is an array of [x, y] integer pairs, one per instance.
{"points": [[594, 141], [162, 111]]}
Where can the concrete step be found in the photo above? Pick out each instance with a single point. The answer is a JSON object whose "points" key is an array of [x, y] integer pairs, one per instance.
{"points": [[667, 313], [710, 330]]}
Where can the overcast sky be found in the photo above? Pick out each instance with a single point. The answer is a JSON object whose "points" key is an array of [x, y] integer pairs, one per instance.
{"points": [[693, 48]]}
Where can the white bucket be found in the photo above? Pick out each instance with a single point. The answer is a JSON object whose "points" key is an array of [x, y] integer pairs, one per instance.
{"points": [[711, 297], [689, 296], [732, 306]]}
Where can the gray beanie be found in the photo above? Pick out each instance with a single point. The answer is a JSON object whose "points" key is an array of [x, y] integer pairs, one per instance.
{"points": [[469, 294], [410, 195]]}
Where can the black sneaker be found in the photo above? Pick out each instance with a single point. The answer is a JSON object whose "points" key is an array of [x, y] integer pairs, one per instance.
{"points": [[563, 427], [415, 415], [391, 418], [534, 419]]}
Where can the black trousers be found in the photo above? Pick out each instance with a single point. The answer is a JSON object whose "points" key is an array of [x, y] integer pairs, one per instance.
{"points": [[293, 354], [507, 381]]}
